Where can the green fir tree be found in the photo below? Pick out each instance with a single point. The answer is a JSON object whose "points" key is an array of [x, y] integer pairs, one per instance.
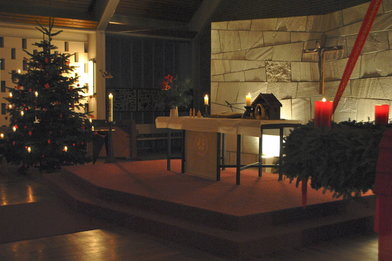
{"points": [[46, 128]]}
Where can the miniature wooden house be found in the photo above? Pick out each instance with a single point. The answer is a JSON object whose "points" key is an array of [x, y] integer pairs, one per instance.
{"points": [[269, 104]]}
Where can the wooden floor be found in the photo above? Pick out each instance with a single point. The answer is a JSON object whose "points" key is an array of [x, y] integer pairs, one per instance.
{"points": [[119, 244]]}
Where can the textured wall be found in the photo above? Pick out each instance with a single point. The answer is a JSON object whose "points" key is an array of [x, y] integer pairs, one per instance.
{"points": [[267, 55]]}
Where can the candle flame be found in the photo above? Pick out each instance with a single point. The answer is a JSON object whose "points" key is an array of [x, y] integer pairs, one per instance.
{"points": [[324, 100], [110, 96], [65, 148], [1, 135], [14, 128], [10, 95], [36, 94], [21, 113], [28, 149]]}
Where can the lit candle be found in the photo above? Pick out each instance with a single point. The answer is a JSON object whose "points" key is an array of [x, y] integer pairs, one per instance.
{"points": [[36, 94], [14, 128], [28, 149], [19, 71], [92, 128], [10, 106], [110, 116], [248, 100], [323, 113], [65, 148], [206, 99], [10, 94], [1, 135], [21, 113], [381, 114]]}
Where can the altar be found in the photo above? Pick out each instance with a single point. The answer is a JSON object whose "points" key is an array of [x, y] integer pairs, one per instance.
{"points": [[203, 152]]}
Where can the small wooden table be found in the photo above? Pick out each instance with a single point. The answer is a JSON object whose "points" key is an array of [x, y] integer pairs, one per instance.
{"points": [[204, 142]]}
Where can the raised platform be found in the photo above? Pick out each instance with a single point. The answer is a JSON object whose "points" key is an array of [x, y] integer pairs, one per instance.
{"points": [[256, 218]]}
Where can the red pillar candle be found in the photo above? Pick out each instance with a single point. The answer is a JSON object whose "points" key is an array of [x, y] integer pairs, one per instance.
{"points": [[381, 114], [323, 113]]}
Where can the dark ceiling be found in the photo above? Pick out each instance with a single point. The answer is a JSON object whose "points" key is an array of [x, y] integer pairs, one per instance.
{"points": [[180, 19]]}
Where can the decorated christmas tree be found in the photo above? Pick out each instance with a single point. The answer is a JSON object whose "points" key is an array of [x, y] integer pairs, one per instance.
{"points": [[49, 127]]}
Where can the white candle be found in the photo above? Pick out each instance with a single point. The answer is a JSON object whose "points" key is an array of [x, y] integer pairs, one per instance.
{"points": [[110, 116], [206, 99], [248, 100]]}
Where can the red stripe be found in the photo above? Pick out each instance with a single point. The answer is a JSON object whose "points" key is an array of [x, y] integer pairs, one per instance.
{"points": [[357, 49]]}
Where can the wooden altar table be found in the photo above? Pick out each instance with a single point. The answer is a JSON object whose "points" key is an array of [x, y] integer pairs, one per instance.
{"points": [[203, 152]]}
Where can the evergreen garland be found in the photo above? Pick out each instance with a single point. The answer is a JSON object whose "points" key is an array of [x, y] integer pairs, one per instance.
{"points": [[47, 131], [341, 159]]}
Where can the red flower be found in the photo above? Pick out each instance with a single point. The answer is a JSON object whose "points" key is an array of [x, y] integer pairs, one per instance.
{"points": [[169, 78], [46, 85], [165, 86]]}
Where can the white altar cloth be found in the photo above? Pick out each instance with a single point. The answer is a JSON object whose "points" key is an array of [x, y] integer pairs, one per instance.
{"points": [[247, 127]]}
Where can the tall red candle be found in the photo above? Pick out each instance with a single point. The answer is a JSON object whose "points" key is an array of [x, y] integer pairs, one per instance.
{"points": [[323, 113], [381, 114]]}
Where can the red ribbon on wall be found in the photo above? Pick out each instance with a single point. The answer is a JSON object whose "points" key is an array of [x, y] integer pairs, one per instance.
{"points": [[357, 49]]}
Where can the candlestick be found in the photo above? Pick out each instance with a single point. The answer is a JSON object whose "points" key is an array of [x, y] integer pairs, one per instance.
{"points": [[381, 114], [323, 113], [248, 100], [206, 99], [110, 111]]}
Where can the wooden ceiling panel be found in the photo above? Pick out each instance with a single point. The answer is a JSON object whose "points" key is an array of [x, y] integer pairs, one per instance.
{"points": [[58, 22], [174, 10]]}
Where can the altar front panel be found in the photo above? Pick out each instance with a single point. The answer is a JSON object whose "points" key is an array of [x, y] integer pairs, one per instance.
{"points": [[201, 154]]}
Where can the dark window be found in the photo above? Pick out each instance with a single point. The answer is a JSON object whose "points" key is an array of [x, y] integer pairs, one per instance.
{"points": [[24, 43], [3, 109], [2, 64], [76, 55], [12, 76], [25, 65], [66, 46], [86, 47], [1, 42], [13, 53], [2, 86]]}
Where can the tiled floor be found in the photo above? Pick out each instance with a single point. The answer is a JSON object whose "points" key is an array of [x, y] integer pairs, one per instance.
{"points": [[117, 243]]}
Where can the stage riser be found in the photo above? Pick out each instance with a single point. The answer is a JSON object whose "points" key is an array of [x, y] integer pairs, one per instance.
{"points": [[225, 247], [216, 219]]}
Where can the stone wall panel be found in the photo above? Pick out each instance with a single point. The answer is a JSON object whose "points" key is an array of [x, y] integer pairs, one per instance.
{"points": [[258, 54], [283, 90], [274, 38], [291, 24], [288, 52], [250, 39], [376, 64], [229, 41], [239, 25], [268, 24], [255, 75], [304, 72], [278, 71]]}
